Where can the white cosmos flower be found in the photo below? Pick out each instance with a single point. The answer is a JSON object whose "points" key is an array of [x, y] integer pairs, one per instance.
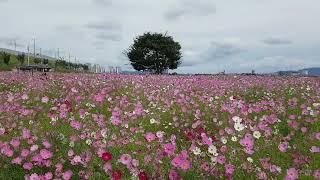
{"points": [[104, 133], [71, 144], [196, 151], [88, 142], [212, 149], [256, 134], [249, 159], [234, 138], [238, 126], [213, 159], [236, 119], [316, 104], [224, 140]]}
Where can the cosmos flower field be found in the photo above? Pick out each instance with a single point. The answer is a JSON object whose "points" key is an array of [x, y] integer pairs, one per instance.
{"points": [[88, 126]]}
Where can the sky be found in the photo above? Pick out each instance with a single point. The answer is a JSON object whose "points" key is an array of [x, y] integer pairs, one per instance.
{"points": [[215, 35]]}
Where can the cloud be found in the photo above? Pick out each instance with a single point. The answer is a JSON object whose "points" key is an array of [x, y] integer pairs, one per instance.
{"points": [[107, 36], [222, 49], [105, 31], [190, 8], [2, 1], [217, 51], [104, 26], [102, 2], [276, 41]]}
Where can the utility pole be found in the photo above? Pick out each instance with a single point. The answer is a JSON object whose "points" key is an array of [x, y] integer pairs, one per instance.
{"points": [[28, 54], [40, 52], [15, 45], [69, 61], [34, 48], [58, 53]]}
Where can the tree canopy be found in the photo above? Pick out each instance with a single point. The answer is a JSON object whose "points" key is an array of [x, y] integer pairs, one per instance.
{"points": [[6, 57], [155, 52], [21, 58]]}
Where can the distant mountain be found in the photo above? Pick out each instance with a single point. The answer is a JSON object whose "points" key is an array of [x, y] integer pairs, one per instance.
{"points": [[20, 52], [314, 71]]}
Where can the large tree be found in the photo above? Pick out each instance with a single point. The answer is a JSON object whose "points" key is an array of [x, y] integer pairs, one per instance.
{"points": [[154, 52]]}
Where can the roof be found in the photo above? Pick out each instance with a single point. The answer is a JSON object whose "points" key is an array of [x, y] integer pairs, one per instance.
{"points": [[35, 66]]}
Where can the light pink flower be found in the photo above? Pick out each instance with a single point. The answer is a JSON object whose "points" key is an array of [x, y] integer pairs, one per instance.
{"points": [[150, 137], [67, 175], [27, 166], [45, 154], [292, 174], [169, 148], [125, 159]]}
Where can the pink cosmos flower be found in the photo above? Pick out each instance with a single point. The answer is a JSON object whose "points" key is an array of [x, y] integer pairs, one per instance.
{"points": [[34, 176], [34, 147], [229, 168], [99, 98], [169, 148], [45, 154], [48, 176], [316, 174], [292, 174], [205, 166], [77, 159], [115, 121], [45, 99], [262, 176], [7, 151], [135, 162], [317, 136], [173, 175], [150, 137], [25, 152], [315, 149], [125, 159], [185, 165], [15, 142], [46, 144], [27, 166], [107, 167], [17, 160], [70, 153], [2, 131], [24, 97], [283, 147], [26, 134], [75, 124], [67, 175], [221, 159]]}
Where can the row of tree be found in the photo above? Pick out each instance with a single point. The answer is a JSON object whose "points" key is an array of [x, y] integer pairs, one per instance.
{"points": [[59, 64], [62, 64], [21, 58]]}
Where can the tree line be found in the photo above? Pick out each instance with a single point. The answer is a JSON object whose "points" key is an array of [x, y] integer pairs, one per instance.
{"points": [[59, 64]]}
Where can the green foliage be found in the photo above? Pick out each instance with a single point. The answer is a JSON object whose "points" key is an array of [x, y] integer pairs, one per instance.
{"points": [[37, 60], [154, 52], [21, 58], [6, 57], [45, 61]]}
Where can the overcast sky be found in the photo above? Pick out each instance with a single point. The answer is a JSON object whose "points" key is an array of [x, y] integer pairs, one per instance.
{"points": [[216, 35]]}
